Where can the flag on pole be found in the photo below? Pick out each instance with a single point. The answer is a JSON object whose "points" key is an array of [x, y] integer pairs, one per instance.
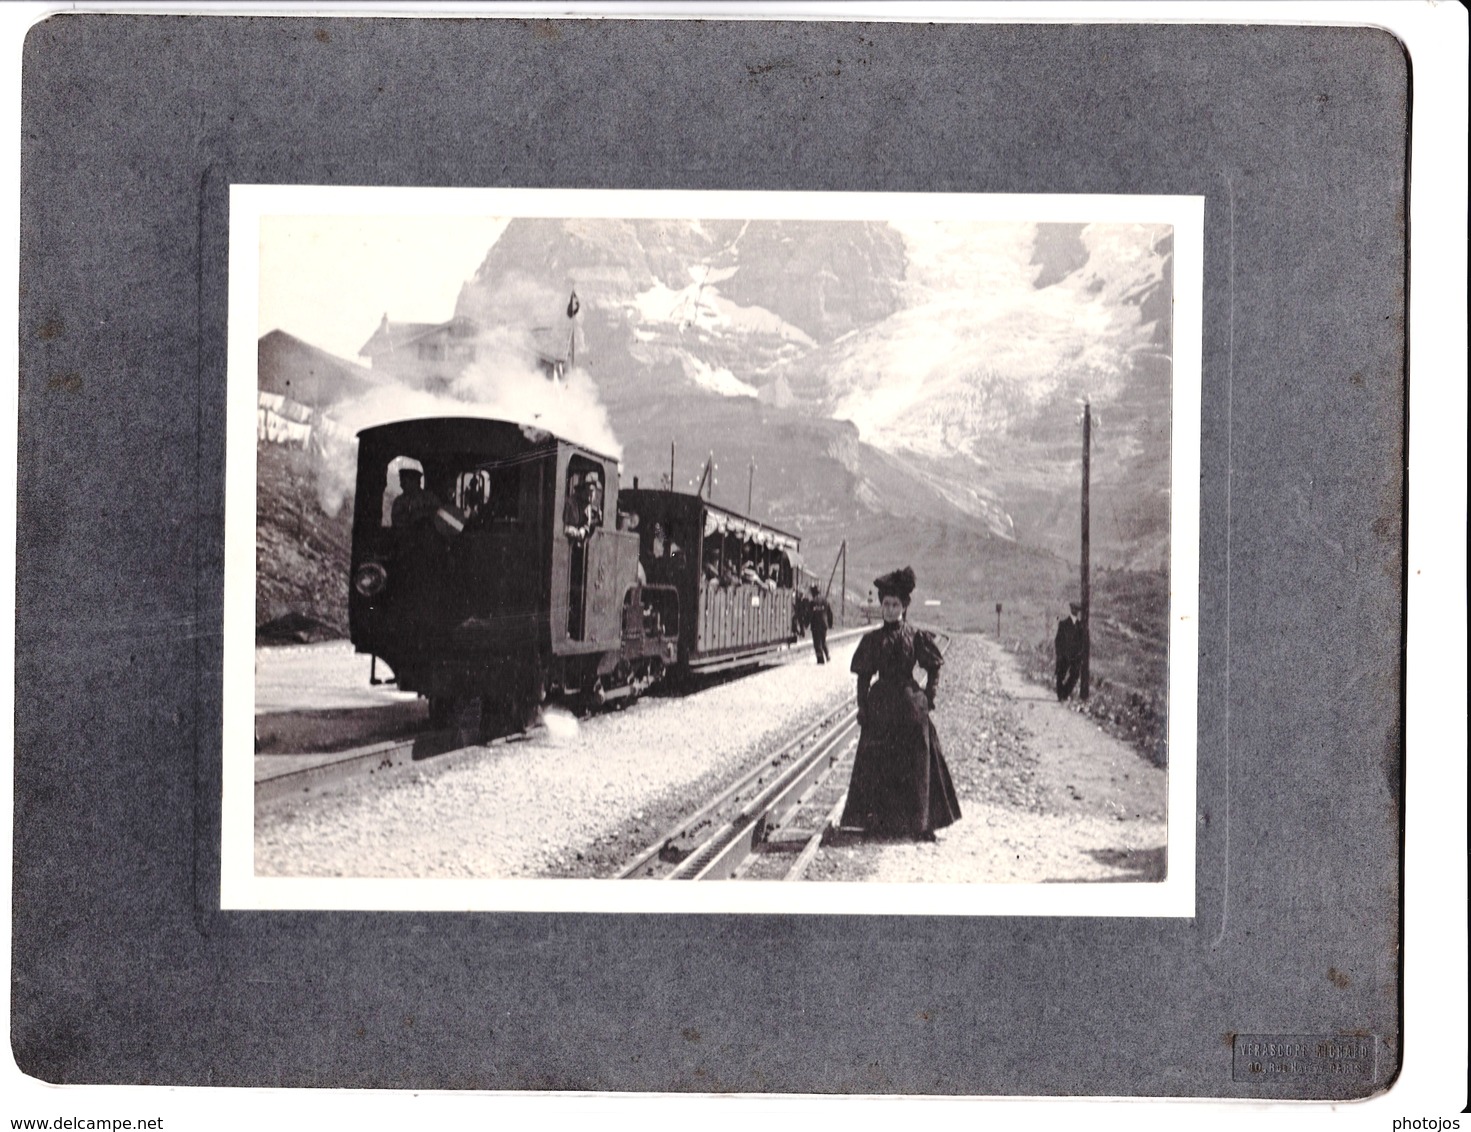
{"points": [[573, 306]]}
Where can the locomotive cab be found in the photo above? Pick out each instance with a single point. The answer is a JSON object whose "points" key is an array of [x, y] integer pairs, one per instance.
{"points": [[485, 567]]}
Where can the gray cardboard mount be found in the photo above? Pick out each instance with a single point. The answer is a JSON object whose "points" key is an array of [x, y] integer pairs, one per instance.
{"points": [[126, 971]]}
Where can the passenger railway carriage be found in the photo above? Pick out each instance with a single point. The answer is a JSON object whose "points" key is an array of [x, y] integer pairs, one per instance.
{"points": [[517, 570]]}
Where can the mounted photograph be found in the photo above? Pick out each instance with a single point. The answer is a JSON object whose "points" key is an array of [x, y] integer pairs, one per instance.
{"points": [[837, 552]]}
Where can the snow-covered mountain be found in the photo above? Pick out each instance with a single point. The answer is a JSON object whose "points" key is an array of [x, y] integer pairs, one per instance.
{"points": [[958, 352], [911, 391]]}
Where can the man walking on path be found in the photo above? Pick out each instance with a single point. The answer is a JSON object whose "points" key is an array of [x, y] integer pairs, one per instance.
{"points": [[820, 618], [1069, 649]]}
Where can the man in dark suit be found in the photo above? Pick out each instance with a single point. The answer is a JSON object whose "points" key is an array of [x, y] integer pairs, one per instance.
{"points": [[1069, 649], [820, 618]]}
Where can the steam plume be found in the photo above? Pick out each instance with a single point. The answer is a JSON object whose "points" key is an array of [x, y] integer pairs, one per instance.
{"points": [[503, 384]]}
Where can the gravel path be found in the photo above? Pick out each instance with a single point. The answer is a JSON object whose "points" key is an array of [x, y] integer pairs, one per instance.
{"points": [[577, 800], [1045, 794]]}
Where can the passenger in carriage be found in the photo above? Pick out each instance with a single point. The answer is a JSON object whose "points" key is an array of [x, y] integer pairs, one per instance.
{"points": [[725, 555], [666, 556]]}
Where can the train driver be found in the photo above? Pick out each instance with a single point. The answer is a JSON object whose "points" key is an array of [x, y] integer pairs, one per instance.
{"points": [[416, 505]]}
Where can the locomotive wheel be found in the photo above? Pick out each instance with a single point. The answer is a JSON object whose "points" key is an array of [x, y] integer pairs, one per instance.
{"points": [[442, 711], [519, 705], [495, 716]]}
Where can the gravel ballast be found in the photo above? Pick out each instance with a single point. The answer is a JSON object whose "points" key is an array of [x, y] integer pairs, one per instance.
{"points": [[1046, 795], [577, 799]]}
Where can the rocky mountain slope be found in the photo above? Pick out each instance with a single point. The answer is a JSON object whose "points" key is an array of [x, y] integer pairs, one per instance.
{"points": [[302, 554]]}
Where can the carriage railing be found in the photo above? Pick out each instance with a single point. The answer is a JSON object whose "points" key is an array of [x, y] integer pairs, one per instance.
{"points": [[744, 615]]}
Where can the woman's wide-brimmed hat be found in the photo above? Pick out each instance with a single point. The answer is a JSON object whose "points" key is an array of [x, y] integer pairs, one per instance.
{"points": [[898, 583]]}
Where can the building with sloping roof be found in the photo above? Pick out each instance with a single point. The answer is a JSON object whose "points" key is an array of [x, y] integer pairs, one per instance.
{"points": [[307, 374], [431, 355]]}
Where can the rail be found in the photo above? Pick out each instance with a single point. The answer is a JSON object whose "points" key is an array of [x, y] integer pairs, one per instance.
{"points": [[307, 773], [778, 811], [720, 839]]}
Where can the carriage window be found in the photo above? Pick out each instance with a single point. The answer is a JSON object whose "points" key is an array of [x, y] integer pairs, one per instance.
{"points": [[489, 494]]}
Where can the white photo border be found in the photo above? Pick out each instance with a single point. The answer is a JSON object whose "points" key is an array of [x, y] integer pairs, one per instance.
{"points": [[240, 888]]}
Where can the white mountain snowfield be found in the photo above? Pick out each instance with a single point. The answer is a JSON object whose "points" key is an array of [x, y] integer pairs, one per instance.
{"points": [[975, 344], [955, 353], [978, 342]]}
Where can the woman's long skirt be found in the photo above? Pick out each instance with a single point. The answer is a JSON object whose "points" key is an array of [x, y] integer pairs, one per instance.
{"points": [[900, 785]]}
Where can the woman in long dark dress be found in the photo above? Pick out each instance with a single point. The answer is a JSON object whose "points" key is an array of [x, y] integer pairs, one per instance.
{"points": [[901, 785]]}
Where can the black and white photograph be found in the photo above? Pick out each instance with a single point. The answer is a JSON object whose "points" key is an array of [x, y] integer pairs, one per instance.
{"points": [[932, 481], [803, 542]]}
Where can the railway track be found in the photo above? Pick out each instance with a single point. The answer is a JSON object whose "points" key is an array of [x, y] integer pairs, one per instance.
{"points": [[296, 775], [280, 776], [769, 824], [780, 809]]}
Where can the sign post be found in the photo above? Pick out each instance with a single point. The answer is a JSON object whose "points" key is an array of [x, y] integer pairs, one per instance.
{"points": [[1087, 632]]}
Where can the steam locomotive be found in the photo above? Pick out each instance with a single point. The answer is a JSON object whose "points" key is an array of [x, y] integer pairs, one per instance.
{"points": [[508, 567]]}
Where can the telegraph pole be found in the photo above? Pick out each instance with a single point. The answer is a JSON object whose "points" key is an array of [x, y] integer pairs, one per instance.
{"points": [[843, 590], [750, 483], [1087, 633]]}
